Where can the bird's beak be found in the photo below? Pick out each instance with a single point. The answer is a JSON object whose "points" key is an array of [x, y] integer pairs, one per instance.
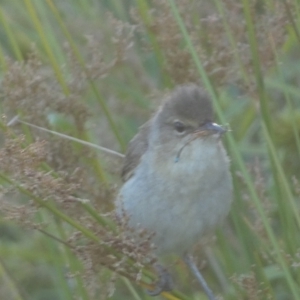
{"points": [[210, 129]]}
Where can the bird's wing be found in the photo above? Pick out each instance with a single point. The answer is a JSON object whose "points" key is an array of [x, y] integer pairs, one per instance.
{"points": [[136, 148]]}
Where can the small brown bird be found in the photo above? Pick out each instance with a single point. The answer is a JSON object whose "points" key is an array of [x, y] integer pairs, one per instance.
{"points": [[177, 179]]}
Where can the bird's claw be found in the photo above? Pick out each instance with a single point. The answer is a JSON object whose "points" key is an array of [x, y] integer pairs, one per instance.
{"points": [[164, 282]]}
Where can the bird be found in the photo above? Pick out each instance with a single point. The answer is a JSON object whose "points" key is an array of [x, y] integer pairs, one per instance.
{"points": [[177, 180]]}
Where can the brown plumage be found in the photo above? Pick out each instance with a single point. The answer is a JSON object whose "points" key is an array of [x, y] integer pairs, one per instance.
{"points": [[136, 148]]}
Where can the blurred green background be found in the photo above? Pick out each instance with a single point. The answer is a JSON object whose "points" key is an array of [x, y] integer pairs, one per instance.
{"points": [[96, 70]]}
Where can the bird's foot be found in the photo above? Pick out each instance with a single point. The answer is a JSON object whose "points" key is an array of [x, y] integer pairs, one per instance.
{"points": [[191, 264], [164, 282]]}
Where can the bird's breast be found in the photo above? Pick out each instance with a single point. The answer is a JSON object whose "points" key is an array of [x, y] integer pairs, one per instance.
{"points": [[179, 199]]}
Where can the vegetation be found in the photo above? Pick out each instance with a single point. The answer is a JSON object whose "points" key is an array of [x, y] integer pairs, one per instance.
{"points": [[95, 70]]}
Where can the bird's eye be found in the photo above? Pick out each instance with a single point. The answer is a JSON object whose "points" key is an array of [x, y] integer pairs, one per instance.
{"points": [[179, 127]]}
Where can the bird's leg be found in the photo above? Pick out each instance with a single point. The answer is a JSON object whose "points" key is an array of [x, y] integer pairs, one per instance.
{"points": [[191, 264], [164, 282]]}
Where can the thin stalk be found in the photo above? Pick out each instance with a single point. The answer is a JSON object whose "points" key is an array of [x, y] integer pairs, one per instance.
{"points": [[16, 293], [95, 90], [39, 28], [256, 63], [11, 37], [237, 156]]}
